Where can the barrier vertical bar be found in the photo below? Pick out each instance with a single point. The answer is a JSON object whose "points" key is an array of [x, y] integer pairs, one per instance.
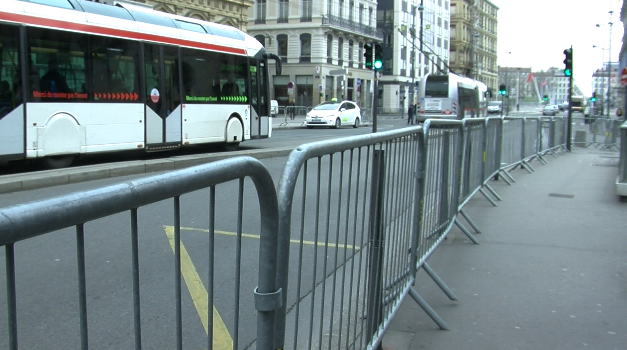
{"points": [[136, 297], [82, 290], [9, 251], [375, 283]]}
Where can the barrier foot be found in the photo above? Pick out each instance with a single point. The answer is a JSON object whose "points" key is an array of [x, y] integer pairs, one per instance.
{"points": [[434, 276], [466, 232], [496, 195], [423, 304], [527, 167], [507, 174], [488, 197], [542, 159], [461, 211], [554, 153]]}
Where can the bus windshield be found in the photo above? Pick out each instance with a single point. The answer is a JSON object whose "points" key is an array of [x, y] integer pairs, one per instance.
{"points": [[437, 86]]}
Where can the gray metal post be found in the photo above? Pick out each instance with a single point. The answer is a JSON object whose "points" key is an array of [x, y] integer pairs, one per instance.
{"points": [[377, 241]]}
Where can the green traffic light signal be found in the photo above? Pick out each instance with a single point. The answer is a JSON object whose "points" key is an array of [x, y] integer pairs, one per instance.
{"points": [[378, 57], [502, 89], [568, 62], [368, 55]]}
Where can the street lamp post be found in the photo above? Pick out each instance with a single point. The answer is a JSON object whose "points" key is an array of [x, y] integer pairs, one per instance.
{"points": [[609, 66], [608, 76]]}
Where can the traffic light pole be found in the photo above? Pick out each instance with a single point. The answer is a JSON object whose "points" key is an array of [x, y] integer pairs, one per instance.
{"points": [[570, 111], [375, 101]]}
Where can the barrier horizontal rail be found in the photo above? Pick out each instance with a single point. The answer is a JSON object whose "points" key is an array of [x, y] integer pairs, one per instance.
{"points": [[26, 221]]}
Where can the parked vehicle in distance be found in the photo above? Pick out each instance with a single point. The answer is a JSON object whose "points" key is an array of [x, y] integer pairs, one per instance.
{"points": [[578, 104], [334, 115], [549, 110], [495, 107], [274, 108]]}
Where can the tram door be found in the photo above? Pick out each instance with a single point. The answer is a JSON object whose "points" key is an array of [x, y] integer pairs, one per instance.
{"points": [[163, 101]]}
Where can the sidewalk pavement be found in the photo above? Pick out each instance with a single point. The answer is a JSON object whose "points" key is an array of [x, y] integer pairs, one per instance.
{"points": [[550, 272]]}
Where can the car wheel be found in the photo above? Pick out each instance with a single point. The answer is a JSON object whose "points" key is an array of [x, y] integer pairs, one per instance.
{"points": [[356, 125], [338, 123]]}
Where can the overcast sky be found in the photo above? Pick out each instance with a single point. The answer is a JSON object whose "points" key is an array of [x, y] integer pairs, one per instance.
{"points": [[534, 33]]}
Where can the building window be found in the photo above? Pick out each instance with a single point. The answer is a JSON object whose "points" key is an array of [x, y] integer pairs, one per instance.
{"points": [[284, 7], [340, 11], [262, 39], [307, 10], [261, 12], [330, 49], [351, 8], [361, 13], [281, 42], [305, 47], [350, 53], [329, 8], [340, 53]]}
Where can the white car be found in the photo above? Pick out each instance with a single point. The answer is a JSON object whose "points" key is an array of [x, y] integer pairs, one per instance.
{"points": [[495, 107], [274, 108], [334, 115], [549, 110]]}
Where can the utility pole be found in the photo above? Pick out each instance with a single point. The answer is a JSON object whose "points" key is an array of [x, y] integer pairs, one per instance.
{"points": [[609, 69], [421, 8]]}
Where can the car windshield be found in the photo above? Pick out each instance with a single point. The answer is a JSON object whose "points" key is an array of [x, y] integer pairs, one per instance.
{"points": [[326, 106], [494, 103]]}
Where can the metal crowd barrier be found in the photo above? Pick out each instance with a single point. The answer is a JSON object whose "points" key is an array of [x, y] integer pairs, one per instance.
{"points": [[23, 222], [621, 179], [351, 222]]}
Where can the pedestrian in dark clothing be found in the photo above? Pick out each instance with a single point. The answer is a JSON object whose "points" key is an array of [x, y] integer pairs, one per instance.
{"points": [[410, 113], [292, 108]]}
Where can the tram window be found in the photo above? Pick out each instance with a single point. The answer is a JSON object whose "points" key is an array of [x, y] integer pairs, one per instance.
{"points": [[436, 86]]}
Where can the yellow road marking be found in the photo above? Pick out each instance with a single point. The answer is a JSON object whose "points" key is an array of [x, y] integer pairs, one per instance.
{"points": [[221, 336], [295, 241]]}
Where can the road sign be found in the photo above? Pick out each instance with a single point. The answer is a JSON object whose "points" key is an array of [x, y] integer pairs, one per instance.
{"points": [[342, 71], [623, 76]]}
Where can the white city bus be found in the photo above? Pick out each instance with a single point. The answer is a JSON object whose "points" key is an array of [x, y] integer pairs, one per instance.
{"points": [[450, 97], [80, 77]]}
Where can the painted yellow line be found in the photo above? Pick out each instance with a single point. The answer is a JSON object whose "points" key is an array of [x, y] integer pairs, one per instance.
{"points": [[295, 241], [221, 336]]}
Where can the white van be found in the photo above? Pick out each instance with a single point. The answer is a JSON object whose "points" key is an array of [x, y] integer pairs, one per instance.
{"points": [[274, 108]]}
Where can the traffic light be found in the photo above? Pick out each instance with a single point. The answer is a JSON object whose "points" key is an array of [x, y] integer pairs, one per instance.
{"points": [[378, 57], [502, 89], [568, 62], [545, 98], [368, 55], [594, 97]]}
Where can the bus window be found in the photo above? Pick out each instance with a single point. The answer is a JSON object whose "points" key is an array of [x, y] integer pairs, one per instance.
{"points": [[115, 65], [10, 76], [59, 59], [233, 79], [436, 86], [200, 78]]}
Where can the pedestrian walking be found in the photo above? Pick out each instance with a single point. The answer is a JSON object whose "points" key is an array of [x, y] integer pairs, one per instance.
{"points": [[410, 113], [292, 108], [619, 113]]}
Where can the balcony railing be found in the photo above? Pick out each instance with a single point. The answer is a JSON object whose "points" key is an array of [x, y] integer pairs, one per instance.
{"points": [[348, 24], [305, 59], [305, 19], [260, 21], [282, 20]]}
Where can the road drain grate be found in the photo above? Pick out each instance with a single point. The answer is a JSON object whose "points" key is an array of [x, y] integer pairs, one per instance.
{"points": [[606, 165], [559, 195]]}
